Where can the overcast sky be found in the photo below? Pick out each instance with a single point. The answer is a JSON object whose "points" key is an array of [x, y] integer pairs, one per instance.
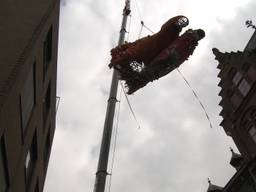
{"points": [[175, 150]]}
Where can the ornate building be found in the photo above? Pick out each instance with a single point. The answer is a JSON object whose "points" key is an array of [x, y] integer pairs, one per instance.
{"points": [[29, 42], [238, 92], [244, 180]]}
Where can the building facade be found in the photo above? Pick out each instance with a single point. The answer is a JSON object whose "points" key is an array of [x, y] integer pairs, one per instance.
{"points": [[244, 179], [238, 92], [28, 68]]}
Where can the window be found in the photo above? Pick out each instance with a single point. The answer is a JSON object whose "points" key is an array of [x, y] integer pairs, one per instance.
{"points": [[252, 73], [3, 168], [27, 98], [248, 118], [47, 103], [244, 87], [236, 79], [47, 147], [31, 159], [36, 187], [47, 51], [252, 132], [235, 100]]}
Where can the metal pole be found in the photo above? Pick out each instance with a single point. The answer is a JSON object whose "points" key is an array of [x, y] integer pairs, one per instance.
{"points": [[102, 173]]}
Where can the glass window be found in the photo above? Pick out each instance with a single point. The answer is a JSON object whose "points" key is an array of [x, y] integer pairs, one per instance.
{"points": [[47, 51], [47, 147], [3, 168], [236, 79], [252, 73], [244, 87], [27, 98], [47, 103], [36, 187], [236, 100], [252, 132], [31, 159]]}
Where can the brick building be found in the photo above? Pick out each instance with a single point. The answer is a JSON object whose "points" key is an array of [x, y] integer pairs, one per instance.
{"points": [[28, 67]]}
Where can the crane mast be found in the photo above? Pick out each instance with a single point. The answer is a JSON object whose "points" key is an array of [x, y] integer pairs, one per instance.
{"points": [[102, 173]]}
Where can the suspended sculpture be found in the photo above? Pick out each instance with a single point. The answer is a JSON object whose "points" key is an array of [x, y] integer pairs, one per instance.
{"points": [[153, 57]]}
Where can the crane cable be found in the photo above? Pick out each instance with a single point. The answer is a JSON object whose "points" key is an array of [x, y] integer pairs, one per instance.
{"points": [[141, 28], [130, 106], [197, 98]]}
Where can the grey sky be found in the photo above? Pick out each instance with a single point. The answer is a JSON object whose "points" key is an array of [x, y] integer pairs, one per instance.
{"points": [[174, 150]]}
